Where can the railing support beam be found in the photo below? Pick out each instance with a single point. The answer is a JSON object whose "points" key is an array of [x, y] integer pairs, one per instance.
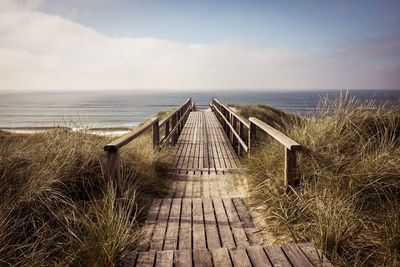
{"points": [[156, 135], [252, 137], [114, 170], [290, 168]]}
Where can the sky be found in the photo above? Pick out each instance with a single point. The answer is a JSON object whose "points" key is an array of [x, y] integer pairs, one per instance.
{"points": [[192, 45]]}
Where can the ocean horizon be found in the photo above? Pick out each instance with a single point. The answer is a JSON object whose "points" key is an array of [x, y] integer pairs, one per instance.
{"points": [[25, 111]]}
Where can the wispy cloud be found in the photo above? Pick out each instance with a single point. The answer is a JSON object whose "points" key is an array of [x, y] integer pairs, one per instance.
{"points": [[44, 51]]}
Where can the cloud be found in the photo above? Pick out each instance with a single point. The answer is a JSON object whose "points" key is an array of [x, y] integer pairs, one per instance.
{"points": [[43, 51]]}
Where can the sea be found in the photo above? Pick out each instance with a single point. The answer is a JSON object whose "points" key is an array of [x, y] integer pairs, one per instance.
{"points": [[115, 111]]}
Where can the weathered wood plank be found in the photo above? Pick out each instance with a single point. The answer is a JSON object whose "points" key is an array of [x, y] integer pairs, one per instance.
{"points": [[211, 225], [147, 232], [146, 259], [171, 236], [199, 240], [223, 224], [314, 255], [239, 257], [236, 225], [196, 179], [165, 258], [206, 185], [182, 258], [276, 256], [202, 258], [258, 257], [161, 226], [246, 220], [296, 255], [185, 231], [221, 257]]}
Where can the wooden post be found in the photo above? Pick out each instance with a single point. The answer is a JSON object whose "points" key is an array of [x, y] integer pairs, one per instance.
{"points": [[234, 125], [290, 168], [241, 136], [114, 174], [156, 135], [252, 137], [167, 128]]}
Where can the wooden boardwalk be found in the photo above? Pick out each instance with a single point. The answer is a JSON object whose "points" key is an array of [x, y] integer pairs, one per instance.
{"points": [[203, 221]]}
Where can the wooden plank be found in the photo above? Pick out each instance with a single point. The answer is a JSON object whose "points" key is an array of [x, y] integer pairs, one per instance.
{"points": [[186, 141], [185, 230], [202, 258], [223, 143], [182, 258], [314, 255], [199, 240], [221, 257], [171, 237], [236, 225], [165, 258], [258, 257], [296, 255], [223, 224], [239, 257], [206, 185], [212, 178], [201, 142], [146, 259], [276, 256], [246, 220], [211, 225], [183, 161], [180, 185], [189, 186], [206, 155], [147, 232], [196, 184], [161, 226], [217, 131]]}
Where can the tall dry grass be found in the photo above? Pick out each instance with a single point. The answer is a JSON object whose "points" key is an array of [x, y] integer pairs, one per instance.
{"points": [[348, 201], [56, 207]]}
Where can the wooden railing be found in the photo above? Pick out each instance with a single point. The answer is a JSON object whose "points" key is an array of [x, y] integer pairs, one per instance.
{"points": [[233, 125], [175, 121]]}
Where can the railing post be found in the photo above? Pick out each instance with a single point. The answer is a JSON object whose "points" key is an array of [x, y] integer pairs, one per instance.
{"points": [[290, 168], [241, 132], [156, 135], [235, 142], [114, 174], [252, 137], [166, 128]]}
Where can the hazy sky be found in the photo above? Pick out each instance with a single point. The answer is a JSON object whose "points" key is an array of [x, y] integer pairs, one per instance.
{"points": [[161, 44]]}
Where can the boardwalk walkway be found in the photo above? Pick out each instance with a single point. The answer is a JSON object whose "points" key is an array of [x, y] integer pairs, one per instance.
{"points": [[203, 221]]}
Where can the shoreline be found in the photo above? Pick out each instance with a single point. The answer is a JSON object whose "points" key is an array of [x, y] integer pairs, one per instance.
{"points": [[106, 131]]}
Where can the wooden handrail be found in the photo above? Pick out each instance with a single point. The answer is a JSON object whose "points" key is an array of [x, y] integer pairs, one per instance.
{"points": [[230, 119], [280, 137], [177, 120], [238, 138], [179, 123], [238, 117], [173, 113], [123, 140]]}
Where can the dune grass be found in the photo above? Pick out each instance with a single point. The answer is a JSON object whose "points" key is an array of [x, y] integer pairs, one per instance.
{"points": [[348, 201], [56, 207]]}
